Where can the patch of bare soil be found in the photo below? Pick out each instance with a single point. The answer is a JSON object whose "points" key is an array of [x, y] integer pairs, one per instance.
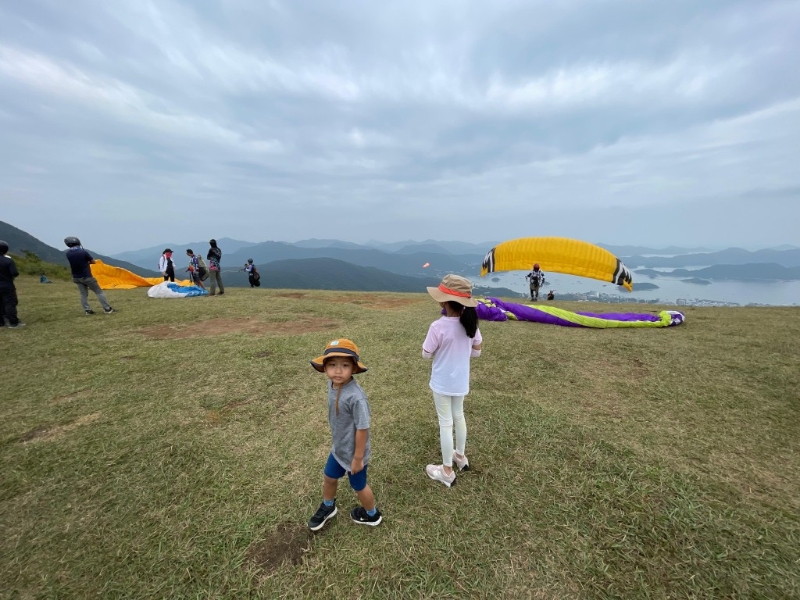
{"points": [[69, 397], [34, 433], [379, 302], [53, 433], [286, 545], [214, 327]]}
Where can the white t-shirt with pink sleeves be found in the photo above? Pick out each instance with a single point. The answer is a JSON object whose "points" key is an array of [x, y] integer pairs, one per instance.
{"points": [[451, 349]]}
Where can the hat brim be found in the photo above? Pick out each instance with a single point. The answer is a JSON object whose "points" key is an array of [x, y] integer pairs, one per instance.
{"points": [[441, 296], [319, 365]]}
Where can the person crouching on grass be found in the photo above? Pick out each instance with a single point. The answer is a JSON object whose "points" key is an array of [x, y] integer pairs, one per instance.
{"points": [[348, 415]]}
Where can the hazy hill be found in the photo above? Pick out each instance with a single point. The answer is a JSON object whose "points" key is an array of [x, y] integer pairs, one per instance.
{"points": [[402, 264], [317, 243], [422, 249], [147, 258], [633, 250], [451, 247], [730, 256], [19, 241], [330, 274], [749, 272]]}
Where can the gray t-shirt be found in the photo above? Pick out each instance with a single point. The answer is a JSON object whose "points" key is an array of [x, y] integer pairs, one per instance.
{"points": [[353, 415]]}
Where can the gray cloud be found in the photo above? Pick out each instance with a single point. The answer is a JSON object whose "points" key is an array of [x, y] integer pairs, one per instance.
{"points": [[122, 122]]}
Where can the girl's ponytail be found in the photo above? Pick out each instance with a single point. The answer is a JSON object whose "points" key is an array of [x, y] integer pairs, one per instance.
{"points": [[467, 316]]}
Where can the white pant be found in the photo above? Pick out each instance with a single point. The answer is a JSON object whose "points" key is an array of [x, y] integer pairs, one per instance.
{"points": [[451, 410]]}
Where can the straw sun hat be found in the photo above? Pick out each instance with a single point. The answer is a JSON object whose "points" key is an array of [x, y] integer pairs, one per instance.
{"points": [[454, 288]]}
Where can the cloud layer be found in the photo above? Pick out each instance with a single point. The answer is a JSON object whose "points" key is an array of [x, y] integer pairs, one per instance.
{"points": [[614, 121]]}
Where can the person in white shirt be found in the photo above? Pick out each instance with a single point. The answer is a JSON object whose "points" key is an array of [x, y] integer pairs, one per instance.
{"points": [[451, 341], [166, 266]]}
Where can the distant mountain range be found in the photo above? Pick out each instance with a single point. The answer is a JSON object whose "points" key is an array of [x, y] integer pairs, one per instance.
{"points": [[19, 241], [401, 266], [147, 258], [407, 258]]}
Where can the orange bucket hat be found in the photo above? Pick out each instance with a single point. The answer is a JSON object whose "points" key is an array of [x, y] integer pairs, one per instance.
{"points": [[454, 288], [340, 347]]}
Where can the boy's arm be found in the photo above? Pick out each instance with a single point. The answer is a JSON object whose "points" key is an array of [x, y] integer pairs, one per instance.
{"points": [[361, 447]]}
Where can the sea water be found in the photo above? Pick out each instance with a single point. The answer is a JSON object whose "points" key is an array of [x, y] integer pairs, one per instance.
{"points": [[671, 289]]}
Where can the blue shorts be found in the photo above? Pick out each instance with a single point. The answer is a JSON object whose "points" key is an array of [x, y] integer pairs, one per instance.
{"points": [[335, 471]]}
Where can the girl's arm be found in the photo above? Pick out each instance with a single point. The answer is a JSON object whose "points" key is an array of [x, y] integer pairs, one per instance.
{"points": [[477, 342], [431, 343]]}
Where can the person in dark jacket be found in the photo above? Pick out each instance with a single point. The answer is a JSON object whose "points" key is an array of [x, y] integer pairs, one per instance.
{"points": [[79, 262], [8, 291], [214, 257], [253, 276]]}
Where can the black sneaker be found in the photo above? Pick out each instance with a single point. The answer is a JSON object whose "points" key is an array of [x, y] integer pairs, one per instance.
{"points": [[20, 324], [360, 516], [323, 514], [108, 310], [89, 312]]}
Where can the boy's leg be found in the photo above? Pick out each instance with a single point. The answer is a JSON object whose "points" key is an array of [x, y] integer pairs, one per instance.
{"points": [[329, 487], [366, 497], [367, 513], [213, 287], [84, 291], [219, 281], [95, 287], [327, 508]]}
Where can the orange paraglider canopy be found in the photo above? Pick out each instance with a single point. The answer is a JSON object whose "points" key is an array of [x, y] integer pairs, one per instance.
{"points": [[117, 278]]}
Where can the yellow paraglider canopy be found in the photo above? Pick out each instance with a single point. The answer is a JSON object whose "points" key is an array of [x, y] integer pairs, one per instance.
{"points": [[558, 255], [117, 278]]}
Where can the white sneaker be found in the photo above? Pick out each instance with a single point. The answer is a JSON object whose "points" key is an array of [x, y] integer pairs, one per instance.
{"points": [[436, 472], [461, 463]]}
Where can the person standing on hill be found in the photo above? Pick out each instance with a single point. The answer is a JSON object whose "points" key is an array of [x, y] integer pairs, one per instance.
{"points": [[196, 272], [452, 341], [79, 262], [166, 266], [253, 275], [536, 277], [8, 291], [214, 258]]}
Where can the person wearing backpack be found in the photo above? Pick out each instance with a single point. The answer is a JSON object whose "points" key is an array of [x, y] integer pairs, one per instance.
{"points": [[194, 269], [253, 275], [536, 277], [214, 257]]}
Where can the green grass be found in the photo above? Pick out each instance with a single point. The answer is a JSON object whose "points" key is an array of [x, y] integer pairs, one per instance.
{"points": [[175, 450]]}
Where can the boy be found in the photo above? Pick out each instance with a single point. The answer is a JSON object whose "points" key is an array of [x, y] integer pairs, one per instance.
{"points": [[8, 291], [348, 415], [79, 262]]}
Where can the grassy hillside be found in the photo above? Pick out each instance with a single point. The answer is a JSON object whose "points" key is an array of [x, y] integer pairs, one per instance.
{"points": [[175, 449]]}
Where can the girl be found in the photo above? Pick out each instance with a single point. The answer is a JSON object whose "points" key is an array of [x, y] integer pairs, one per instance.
{"points": [[451, 341]]}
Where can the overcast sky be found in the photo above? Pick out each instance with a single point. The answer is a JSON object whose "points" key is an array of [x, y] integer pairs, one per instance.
{"points": [[132, 122]]}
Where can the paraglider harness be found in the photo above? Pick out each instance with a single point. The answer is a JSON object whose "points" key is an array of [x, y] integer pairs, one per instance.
{"points": [[202, 270], [536, 277], [253, 275]]}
